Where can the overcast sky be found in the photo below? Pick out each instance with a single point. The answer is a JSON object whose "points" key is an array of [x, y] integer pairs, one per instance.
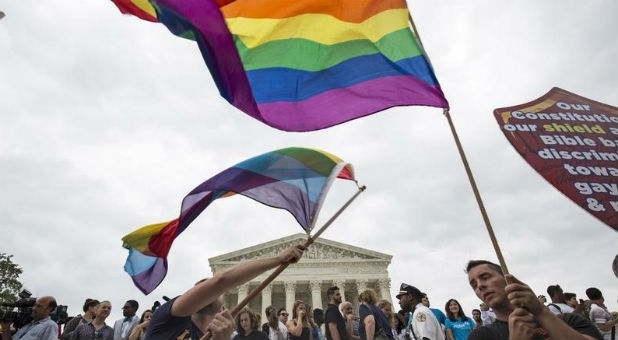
{"points": [[107, 122]]}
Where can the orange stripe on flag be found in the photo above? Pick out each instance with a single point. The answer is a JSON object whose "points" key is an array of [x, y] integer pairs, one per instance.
{"points": [[345, 10]]}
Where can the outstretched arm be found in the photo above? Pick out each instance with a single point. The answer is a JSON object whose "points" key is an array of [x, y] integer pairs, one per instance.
{"points": [[208, 291]]}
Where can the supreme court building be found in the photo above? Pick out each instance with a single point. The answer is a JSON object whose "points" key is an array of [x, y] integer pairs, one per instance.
{"points": [[324, 264]]}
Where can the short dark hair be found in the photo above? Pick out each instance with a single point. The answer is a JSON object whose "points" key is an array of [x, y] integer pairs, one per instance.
{"points": [[594, 293], [133, 304], [89, 303], [551, 290], [318, 316], [269, 309], [475, 310], [331, 291], [474, 263], [280, 310], [569, 296]]}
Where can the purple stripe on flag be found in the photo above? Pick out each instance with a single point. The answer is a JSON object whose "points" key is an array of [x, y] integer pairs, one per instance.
{"points": [[288, 197], [148, 280], [341, 105], [267, 190], [207, 18]]}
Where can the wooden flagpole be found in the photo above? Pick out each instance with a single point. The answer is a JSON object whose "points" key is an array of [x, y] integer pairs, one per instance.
{"points": [[255, 291], [462, 154]]}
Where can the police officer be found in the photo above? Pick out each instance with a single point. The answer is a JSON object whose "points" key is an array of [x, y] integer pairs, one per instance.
{"points": [[422, 323]]}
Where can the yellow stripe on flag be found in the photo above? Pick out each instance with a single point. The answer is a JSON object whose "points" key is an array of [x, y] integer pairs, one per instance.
{"points": [[320, 28]]}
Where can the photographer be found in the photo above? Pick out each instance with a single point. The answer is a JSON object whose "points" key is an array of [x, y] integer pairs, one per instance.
{"points": [[41, 327]]}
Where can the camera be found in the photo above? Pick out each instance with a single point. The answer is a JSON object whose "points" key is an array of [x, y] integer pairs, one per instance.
{"points": [[157, 304], [23, 315]]}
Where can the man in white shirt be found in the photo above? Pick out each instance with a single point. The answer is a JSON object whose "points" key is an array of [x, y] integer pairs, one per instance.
{"points": [[558, 303], [605, 321], [487, 315], [422, 323], [274, 328]]}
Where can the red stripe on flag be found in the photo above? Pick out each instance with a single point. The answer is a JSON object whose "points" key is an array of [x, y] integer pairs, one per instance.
{"points": [[128, 7], [161, 243]]}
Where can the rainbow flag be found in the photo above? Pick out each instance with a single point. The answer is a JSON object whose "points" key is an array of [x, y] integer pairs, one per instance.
{"points": [[302, 65], [294, 179]]}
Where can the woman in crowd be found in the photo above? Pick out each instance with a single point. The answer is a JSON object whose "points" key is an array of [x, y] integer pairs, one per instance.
{"points": [[247, 326], [387, 308], [299, 327], [88, 308], [457, 324], [400, 325], [96, 329], [373, 322], [139, 331]]}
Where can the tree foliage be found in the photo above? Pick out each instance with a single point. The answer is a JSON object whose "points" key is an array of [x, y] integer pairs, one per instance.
{"points": [[9, 278]]}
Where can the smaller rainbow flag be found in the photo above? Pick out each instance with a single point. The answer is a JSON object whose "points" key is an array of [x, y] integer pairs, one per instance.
{"points": [[302, 65], [294, 179]]}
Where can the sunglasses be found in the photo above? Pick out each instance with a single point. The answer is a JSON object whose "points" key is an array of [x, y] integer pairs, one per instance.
{"points": [[284, 314]]}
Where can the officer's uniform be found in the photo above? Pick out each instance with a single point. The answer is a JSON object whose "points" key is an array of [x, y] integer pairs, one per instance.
{"points": [[423, 324]]}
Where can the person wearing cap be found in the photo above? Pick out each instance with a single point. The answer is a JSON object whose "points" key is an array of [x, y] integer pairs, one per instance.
{"points": [[422, 323]]}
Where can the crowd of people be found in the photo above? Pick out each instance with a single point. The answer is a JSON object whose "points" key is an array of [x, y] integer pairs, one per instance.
{"points": [[509, 310]]}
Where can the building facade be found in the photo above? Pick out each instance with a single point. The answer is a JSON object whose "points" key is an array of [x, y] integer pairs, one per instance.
{"points": [[324, 264]]}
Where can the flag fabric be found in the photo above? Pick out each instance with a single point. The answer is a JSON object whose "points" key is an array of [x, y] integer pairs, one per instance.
{"points": [[295, 179], [307, 64], [570, 140], [140, 8]]}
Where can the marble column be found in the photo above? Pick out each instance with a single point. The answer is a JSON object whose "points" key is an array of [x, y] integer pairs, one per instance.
{"points": [[361, 285], [290, 296], [266, 301], [316, 294], [385, 289], [242, 292], [341, 285]]}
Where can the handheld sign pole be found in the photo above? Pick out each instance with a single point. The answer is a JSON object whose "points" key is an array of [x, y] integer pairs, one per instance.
{"points": [[490, 230], [255, 291]]}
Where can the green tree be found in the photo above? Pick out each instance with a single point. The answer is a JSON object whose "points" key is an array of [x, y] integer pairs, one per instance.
{"points": [[9, 278]]}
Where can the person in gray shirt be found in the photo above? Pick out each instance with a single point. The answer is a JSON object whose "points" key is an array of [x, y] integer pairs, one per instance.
{"points": [[41, 328], [97, 328]]}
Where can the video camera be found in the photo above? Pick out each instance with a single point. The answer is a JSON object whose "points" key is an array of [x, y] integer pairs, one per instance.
{"points": [[157, 304], [23, 315]]}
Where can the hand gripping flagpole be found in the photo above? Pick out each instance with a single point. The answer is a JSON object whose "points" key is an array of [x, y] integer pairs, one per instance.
{"points": [[255, 291], [462, 154]]}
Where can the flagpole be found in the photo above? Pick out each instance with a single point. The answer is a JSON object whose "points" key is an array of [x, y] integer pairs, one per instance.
{"points": [[490, 230], [462, 154], [255, 291]]}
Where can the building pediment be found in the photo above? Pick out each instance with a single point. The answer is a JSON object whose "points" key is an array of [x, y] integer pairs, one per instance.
{"points": [[322, 250]]}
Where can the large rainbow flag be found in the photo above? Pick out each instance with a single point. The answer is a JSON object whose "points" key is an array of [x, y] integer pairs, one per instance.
{"points": [[302, 65], [294, 179]]}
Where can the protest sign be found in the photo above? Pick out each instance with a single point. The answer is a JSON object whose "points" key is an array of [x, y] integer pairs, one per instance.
{"points": [[572, 142]]}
